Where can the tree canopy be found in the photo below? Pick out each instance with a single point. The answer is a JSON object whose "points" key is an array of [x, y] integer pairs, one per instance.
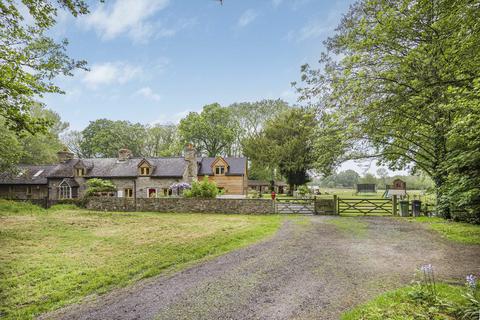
{"points": [[286, 142], [30, 59], [389, 76], [212, 131]]}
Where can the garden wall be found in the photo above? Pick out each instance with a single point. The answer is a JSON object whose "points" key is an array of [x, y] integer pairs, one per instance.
{"points": [[179, 205]]}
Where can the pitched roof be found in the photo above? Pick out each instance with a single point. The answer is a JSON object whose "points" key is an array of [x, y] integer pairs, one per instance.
{"points": [[27, 174], [236, 166], [113, 168]]}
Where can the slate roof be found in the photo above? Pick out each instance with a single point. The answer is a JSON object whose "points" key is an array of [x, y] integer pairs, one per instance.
{"points": [[173, 167], [236, 166], [27, 174], [113, 168]]}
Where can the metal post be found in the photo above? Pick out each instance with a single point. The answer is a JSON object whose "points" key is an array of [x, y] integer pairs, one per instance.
{"points": [[394, 205], [335, 204]]}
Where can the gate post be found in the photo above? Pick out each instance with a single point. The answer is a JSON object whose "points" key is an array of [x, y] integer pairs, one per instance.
{"points": [[335, 204], [394, 205]]}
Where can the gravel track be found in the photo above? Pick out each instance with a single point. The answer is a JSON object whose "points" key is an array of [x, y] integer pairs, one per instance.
{"points": [[309, 270]]}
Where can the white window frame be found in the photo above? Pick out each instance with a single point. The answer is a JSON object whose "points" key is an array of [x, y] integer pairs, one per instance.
{"points": [[64, 190], [221, 170]]}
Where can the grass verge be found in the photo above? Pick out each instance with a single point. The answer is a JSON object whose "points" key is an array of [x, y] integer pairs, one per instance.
{"points": [[51, 258], [456, 231], [405, 304]]}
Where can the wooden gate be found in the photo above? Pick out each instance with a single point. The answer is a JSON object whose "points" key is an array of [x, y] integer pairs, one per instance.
{"points": [[364, 205], [302, 206]]}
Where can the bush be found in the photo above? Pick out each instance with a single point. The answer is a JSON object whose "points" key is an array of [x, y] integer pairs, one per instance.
{"points": [[99, 185], [303, 191], [203, 189], [254, 194]]}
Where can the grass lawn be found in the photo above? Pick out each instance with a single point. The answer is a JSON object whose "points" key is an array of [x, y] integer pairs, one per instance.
{"points": [[51, 258], [400, 305], [455, 231]]}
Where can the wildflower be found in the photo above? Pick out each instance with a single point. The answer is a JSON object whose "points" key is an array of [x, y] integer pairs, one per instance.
{"points": [[471, 281], [426, 268]]}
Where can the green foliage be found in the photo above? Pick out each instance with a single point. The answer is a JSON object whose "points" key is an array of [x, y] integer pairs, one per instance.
{"points": [[202, 189], [389, 84], [103, 138], [162, 141], [30, 59], [303, 191], [66, 255], [212, 131], [286, 143], [456, 231], [462, 186], [40, 148], [99, 185]]}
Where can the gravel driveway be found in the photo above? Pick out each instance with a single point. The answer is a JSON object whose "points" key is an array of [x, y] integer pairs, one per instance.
{"points": [[310, 269]]}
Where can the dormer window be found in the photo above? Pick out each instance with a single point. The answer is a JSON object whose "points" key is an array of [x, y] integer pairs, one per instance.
{"points": [[145, 168], [144, 171], [80, 172], [220, 170]]}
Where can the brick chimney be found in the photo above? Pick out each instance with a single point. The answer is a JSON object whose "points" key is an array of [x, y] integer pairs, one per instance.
{"points": [[124, 154], [192, 165], [65, 155]]}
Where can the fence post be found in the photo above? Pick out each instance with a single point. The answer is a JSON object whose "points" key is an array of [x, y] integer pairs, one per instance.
{"points": [[394, 205], [335, 204]]}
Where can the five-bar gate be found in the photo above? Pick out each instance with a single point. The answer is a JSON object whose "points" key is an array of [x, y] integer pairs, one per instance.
{"points": [[364, 205]]}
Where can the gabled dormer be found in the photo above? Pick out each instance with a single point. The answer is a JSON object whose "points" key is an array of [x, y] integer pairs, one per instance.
{"points": [[145, 168], [80, 169], [219, 167]]}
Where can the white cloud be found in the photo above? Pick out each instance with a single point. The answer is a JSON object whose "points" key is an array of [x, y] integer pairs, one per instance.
{"points": [[125, 17], [314, 29], [109, 73], [246, 18], [148, 93]]}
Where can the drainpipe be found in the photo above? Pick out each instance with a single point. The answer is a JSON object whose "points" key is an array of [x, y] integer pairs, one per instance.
{"points": [[135, 194]]}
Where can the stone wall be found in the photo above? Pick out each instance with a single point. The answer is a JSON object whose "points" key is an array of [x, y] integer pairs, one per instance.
{"points": [[180, 205]]}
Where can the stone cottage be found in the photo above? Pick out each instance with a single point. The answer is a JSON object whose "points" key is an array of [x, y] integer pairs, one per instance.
{"points": [[133, 177]]}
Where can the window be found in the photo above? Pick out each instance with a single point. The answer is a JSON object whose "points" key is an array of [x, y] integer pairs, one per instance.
{"points": [[144, 171], [220, 170], [80, 172], [128, 193], [29, 190], [64, 191], [152, 193]]}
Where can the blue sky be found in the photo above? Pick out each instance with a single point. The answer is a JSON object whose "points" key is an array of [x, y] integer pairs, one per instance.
{"points": [[153, 61]]}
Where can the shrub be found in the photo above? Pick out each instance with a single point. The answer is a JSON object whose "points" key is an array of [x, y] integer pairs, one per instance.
{"points": [[254, 194], [203, 189], [303, 191], [99, 185], [179, 188]]}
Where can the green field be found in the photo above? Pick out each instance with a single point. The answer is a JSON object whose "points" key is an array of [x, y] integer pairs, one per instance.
{"points": [[51, 258]]}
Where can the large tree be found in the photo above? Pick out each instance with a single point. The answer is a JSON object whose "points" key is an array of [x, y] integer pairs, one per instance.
{"points": [[250, 117], [103, 138], [286, 142], [212, 131], [30, 59], [162, 141], [386, 84]]}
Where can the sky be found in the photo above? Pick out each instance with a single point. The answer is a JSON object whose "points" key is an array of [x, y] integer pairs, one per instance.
{"points": [[153, 61]]}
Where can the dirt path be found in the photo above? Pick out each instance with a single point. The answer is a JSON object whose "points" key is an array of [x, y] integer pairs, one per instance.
{"points": [[308, 270]]}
